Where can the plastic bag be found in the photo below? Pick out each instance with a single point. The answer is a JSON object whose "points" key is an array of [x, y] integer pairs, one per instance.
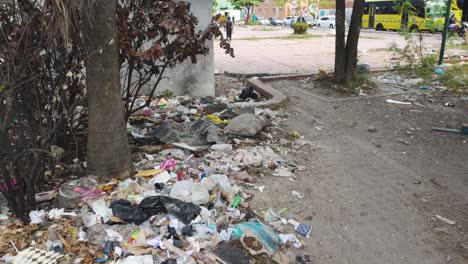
{"points": [[37, 217], [223, 182], [185, 212], [71, 193], [169, 164], [127, 212], [189, 191], [100, 208], [264, 234]]}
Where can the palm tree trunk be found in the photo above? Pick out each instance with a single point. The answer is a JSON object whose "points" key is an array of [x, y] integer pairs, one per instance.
{"points": [[465, 11], [352, 41], [108, 152], [340, 55]]}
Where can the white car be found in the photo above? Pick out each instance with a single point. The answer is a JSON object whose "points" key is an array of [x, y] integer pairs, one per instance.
{"points": [[289, 20], [327, 22], [263, 21]]}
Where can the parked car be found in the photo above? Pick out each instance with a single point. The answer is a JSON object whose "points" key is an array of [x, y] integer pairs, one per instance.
{"points": [[306, 19], [274, 21], [263, 20], [327, 22], [288, 20]]}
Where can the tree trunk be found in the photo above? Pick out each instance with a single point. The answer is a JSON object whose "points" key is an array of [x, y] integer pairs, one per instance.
{"points": [[352, 41], [465, 11], [108, 152], [340, 55]]}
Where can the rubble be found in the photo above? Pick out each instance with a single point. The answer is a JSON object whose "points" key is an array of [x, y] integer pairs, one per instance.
{"points": [[196, 163]]}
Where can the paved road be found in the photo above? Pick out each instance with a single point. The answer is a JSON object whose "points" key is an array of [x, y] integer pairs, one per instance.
{"points": [[260, 51]]}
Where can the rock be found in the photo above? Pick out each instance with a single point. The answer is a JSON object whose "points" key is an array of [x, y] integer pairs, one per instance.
{"points": [[57, 152], [284, 141], [443, 219], [291, 256], [246, 125], [372, 129], [402, 141]]}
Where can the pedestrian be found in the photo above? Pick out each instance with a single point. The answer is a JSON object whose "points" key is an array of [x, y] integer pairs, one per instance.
{"points": [[453, 23], [233, 20], [229, 29]]}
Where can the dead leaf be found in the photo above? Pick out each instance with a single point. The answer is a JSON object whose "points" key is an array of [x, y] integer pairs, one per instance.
{"points": [[115, 219]]}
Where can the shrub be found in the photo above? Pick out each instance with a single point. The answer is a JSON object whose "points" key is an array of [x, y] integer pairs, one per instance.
{"points": [[256, 23], [300, 28], [362, 83], [455, 79]]}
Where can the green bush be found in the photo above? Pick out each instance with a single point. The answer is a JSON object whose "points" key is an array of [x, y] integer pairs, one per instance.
{"points": [[455, 79], [362, 83], [300, 28], [256, 23]]}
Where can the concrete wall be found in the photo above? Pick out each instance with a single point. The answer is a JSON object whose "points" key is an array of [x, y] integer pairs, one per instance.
{"points": [[194, 79]]}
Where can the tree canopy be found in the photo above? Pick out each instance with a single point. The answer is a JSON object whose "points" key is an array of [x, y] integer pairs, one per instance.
{"points": [[245, 3], [280, 3]]}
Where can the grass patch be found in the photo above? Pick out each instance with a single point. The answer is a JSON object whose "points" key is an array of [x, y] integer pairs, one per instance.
{"points": [[363, 83], [268, 29], [289, 37], [257, 23], [464, 45], [456, 79]]}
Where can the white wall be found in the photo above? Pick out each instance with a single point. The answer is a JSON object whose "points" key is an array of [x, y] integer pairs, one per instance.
{"points": [[195, 79]]}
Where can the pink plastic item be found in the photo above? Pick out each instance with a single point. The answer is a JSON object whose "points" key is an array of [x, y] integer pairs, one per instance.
{"points": [[169, 164]]}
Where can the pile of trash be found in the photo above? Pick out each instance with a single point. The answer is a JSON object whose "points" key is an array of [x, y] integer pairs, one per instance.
{"points": [[188, 202]]}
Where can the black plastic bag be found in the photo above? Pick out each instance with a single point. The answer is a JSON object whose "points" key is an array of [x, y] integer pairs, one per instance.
{"points": [[127, 212], [185, 212], [248, 93]]}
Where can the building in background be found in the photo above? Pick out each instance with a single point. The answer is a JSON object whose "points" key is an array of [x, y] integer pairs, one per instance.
{"points": [[269, 9], [328, 8], [226, 8], [316, 8]]}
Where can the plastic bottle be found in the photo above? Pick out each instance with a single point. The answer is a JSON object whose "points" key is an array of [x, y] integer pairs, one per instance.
{"points": [[53, 244]]}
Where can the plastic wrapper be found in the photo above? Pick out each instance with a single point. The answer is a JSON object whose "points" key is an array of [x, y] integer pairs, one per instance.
{"points": [[264, 234]]}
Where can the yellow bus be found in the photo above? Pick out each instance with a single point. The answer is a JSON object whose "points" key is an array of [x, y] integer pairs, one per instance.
{"points": [[429, 15]]}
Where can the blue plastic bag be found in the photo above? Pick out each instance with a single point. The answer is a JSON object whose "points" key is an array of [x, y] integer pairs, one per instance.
{"points": [[264, 234]]}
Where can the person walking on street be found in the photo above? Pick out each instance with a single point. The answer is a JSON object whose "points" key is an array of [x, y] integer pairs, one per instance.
{"points": [[229, 28]]}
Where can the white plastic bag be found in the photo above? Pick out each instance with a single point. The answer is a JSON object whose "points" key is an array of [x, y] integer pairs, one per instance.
{"points": [[190, 192]]}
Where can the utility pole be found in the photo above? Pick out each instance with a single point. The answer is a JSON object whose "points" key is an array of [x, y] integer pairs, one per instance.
{"points": [[444, 34]]}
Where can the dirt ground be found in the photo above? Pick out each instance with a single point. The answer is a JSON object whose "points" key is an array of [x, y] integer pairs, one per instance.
{"points": [[372, 197]]}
